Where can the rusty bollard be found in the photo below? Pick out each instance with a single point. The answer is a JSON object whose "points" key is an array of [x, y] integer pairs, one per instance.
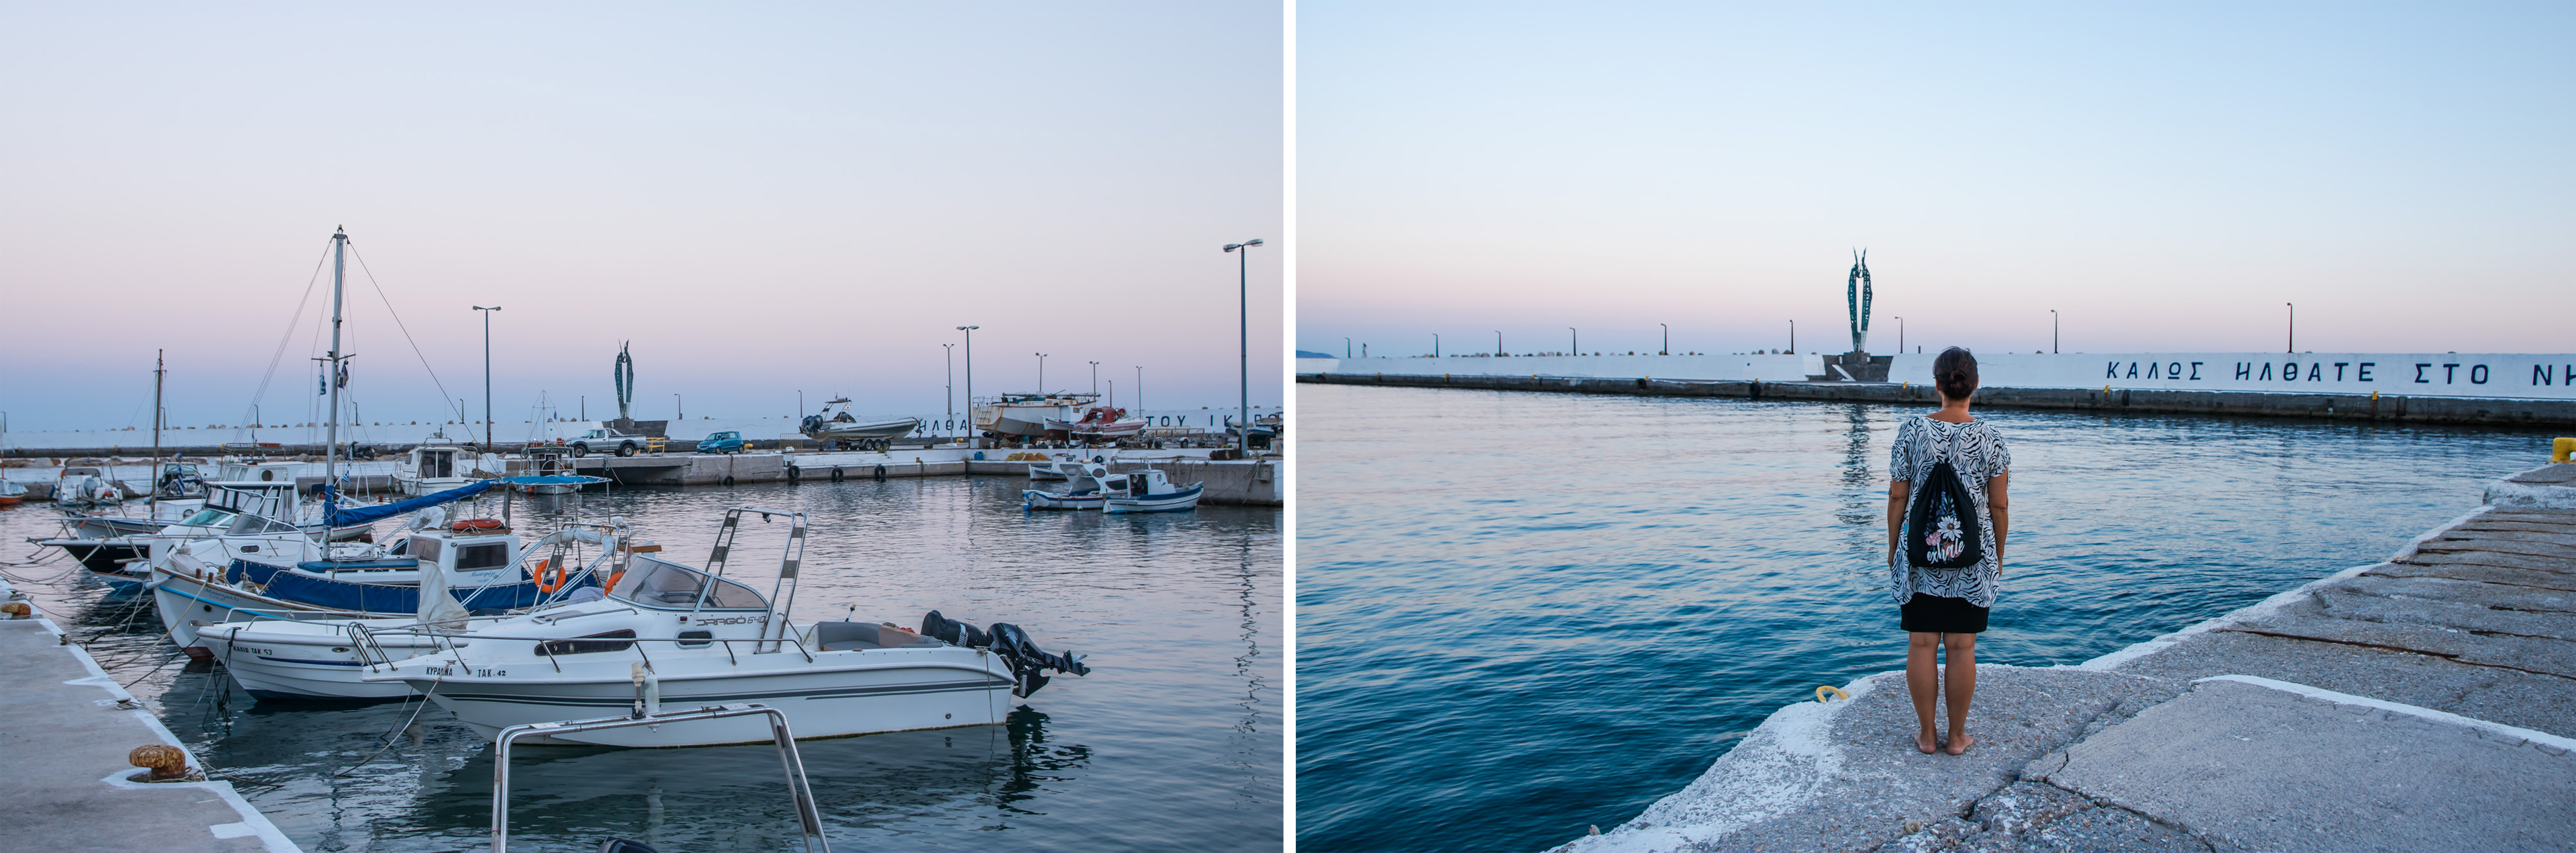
{"points": [[168, 763]]}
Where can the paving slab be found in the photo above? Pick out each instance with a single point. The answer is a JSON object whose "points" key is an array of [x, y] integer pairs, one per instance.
{"points": [[2250, 767], [1846, 775], [67, 736]]}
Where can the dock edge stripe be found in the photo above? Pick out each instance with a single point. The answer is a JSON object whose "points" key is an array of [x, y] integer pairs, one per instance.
{"points": [[2533, 735]]}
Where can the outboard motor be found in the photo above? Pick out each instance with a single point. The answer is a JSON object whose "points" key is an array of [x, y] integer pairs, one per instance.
{"points": [[811, 423], [1028, 662]]}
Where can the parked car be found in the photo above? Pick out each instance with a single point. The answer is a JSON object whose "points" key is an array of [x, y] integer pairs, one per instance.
{"points": [[607, 441], [721, 442]]}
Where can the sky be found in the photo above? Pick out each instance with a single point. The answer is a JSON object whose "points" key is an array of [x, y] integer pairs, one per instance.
{"points": [[762, 198], [2165, 175]]}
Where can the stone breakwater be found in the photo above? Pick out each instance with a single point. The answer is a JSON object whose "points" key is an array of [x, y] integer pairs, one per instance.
{"points": [[2338, 406], [2423, 703]]}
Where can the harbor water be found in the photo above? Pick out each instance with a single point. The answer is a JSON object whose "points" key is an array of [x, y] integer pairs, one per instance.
{"points": [[1523, 614], [1173, 742]]}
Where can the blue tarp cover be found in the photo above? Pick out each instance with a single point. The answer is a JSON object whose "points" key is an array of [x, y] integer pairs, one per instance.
{"points": [[366, 514]]}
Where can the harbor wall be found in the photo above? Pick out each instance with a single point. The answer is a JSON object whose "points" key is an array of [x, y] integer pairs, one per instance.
{"points": [[206, 440], [2046, 382], [2542, 376]]}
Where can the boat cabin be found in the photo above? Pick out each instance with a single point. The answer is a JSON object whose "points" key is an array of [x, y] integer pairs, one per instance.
{"points": [[432, 468], [1137, 484], [252, 503]]}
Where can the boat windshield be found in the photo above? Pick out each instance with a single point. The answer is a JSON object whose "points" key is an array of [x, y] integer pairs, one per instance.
{"points": [[207, 518], [671, 586], [252, 525]]}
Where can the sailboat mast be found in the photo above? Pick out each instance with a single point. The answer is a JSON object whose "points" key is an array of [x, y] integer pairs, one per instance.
{"points": [[157, 370], [331, 450]]}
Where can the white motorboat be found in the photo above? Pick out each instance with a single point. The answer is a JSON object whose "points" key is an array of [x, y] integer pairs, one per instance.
{"points": [[1026, 415], [324, 659], [1052, 468], [1082, 489], [433, 467], [1147, 490], [669, 634], [843, 429]]}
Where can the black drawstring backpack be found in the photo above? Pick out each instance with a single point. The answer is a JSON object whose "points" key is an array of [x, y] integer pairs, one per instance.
{"points": [[1941, 530]]}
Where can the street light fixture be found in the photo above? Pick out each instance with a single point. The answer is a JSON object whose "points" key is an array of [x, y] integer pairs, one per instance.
{"points": [[1498, 343], [1900, 334], [1346, 347], [1668, 340], [1574, 340], [948, 392], [487, 375], [1435, 345], [1140, 392], [1793, 337], [1041, 374], [2052, 331], [1243, 291], [1095, 378], [678, 406], [2294, 326]]}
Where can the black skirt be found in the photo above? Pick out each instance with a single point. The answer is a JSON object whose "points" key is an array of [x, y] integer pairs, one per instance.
{"points": [[1932, 614]]}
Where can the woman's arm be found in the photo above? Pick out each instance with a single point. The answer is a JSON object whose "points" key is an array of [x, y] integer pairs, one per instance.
{"points": [[2001, 507], [1897, 492]]}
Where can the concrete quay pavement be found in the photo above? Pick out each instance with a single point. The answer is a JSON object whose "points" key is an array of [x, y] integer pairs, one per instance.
{"points": [[2427, 703], [67, 727]]}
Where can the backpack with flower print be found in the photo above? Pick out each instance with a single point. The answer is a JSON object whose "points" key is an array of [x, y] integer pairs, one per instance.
{"points": [[1941, 531]]}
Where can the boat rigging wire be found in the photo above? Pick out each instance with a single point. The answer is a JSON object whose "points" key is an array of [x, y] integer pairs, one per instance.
{"points": [[296, 319], [406, 330]]}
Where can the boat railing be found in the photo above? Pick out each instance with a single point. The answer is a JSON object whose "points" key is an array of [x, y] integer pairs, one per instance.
{"points": [[793, 762], [636, 643]]}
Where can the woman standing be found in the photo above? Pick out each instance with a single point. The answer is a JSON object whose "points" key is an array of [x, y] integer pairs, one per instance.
{"points": [[1943, 604]]}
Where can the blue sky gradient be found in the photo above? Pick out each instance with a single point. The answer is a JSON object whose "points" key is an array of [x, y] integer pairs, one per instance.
{"points": [[2167, 175], [763, 197]]}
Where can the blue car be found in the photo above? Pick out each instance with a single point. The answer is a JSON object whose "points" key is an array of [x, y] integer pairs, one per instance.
{"points": [[721, 442]]}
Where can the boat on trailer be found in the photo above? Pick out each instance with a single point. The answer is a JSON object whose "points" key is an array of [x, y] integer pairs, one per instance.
{"points": [[668, 633]]}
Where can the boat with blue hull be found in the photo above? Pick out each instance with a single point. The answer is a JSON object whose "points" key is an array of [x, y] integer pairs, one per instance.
{"points": [[1081, 489]]}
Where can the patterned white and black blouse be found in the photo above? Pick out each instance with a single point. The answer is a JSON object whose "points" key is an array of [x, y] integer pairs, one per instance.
{"points": [[1977, 452]]}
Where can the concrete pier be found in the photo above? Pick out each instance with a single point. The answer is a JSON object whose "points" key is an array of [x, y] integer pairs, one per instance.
{"points": [[66, 728], [2423, 703], [1246, 482], [2382, 408]]}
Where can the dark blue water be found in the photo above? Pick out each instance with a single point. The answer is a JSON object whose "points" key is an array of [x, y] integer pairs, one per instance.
{"points": [[1173, 742], [1519, 614]]}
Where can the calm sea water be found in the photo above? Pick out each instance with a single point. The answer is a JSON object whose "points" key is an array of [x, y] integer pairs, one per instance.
{"points": [[1172, 743], [1519, 614]]}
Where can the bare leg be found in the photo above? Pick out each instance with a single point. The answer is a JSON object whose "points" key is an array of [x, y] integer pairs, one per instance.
{"points": [[1923, 683], [1962, 678]]}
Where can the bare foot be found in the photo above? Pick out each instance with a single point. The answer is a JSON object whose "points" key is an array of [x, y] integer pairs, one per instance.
{"points": [[1925, 741], [1960, 741]]}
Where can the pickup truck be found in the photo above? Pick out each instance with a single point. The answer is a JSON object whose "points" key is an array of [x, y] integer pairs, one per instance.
{"points": [[607, 441]]}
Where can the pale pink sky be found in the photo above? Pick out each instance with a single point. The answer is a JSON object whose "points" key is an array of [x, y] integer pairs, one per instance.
{"points": [[764, 198]]}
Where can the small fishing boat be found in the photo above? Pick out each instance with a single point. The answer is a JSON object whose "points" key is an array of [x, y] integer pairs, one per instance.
{"points": [[1082, 489], [433, 467], [11, 493], [667, 633], [1147, 490], [845, 430], [551, 472], [87, 487]]}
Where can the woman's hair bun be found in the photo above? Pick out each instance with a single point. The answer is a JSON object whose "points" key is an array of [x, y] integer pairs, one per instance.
{"points": [[1954, 371]]}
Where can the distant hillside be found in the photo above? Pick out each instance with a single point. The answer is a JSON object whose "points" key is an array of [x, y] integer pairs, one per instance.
{"points": [[1311, 354]]}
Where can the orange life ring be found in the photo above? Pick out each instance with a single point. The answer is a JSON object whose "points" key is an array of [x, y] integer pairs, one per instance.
{"points": [[476, 524], [614, 576], [544, 585]]}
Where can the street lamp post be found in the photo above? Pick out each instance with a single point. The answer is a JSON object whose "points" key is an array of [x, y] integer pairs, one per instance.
{"points": [[1668, 339], [2052, 331], [1435, 345], [1498, 343], [1793, 337], [487, 374], [1140, 390], [970, 373], [1041, 374], [1095, 380], [1346, 347], [1243, 292], [679, 409], [2294, 326], [1574, 340], [1900, 334], [948, 392]]}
